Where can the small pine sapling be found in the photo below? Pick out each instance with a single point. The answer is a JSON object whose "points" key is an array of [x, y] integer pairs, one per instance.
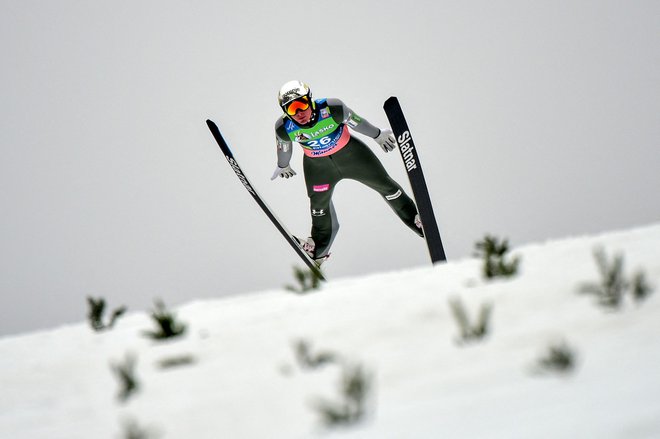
{"points": [[308, 360], [613, 285], [96, 314], [640, 288], [494, 253], [307, 279], [354, 392], [167, 325], [125, 373], [176, 361], [560, 358], [471, 331], [132, 430]]}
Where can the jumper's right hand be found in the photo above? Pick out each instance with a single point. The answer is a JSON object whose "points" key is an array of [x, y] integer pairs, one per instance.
{"points": [[285, 172]]}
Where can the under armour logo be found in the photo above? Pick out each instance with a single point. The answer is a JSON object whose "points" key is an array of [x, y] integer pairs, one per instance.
{"points": [[319, 212]]}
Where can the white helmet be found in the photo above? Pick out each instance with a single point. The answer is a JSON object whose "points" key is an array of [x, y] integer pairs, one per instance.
{"points": [[293, 90]]}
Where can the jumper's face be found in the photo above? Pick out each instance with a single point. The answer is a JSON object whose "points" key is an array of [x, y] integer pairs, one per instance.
{"points": [[300, 110], [303, 117]]}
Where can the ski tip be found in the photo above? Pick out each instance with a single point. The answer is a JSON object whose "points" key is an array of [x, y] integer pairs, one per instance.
{"points": [[392, 100]]}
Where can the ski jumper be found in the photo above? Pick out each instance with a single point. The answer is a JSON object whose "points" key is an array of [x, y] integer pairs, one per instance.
{"points": [[332, 154]]}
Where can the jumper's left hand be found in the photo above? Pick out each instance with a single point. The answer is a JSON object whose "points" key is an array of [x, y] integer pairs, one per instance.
{"points": [[386, 140]]}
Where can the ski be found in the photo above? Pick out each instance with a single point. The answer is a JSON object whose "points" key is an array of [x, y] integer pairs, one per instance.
{"points": [[416, 177], [246, 183]]}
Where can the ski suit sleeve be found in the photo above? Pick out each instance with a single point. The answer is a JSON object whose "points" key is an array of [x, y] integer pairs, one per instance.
{"points": [[350, 118], [284, 149]]}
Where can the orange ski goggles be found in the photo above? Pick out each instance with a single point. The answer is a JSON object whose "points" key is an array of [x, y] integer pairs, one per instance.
{"points": [[300, 104]]}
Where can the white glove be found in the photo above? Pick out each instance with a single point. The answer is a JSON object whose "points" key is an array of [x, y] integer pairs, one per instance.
{"points": [[285, 172], [386, 140]]}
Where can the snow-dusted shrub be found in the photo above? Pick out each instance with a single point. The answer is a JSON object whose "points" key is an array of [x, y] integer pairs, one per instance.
{"points": [[307, 280], [640, 288], [354, 391], [560, 357], [471, 331], [125, 373], [308, 360], [132, 430], [97, 311], [494, 254], [176, 361], [613, 283], [166, 323]]}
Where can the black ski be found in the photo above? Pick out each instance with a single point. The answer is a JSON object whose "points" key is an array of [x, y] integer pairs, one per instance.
{"points": [[241, 176], [416, 176]]}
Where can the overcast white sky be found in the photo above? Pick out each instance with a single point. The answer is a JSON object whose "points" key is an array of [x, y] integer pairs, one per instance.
{"points": [[533, 120]]}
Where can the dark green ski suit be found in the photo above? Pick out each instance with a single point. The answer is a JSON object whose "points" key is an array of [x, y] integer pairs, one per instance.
{"points": [[332, 154]]}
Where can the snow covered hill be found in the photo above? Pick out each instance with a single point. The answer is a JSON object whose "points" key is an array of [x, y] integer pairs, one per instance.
{"points": [[240, 370]]}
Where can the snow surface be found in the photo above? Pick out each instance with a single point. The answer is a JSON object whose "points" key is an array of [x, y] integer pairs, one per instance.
{"points": [[245, 381]]}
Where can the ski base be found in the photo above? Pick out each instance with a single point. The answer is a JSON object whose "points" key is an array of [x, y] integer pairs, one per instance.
{"points": [[416, 176], [248, 186]]}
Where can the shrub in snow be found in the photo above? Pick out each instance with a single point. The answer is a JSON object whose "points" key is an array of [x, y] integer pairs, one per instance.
{"points": [[176, 361], [354, 392], [613, 284], [132, 430], [167, 325], [640, 289], [559, 358], [125, 373], [96, 311], [308, 360], [494, 253], [307, 281], [471, 331]]}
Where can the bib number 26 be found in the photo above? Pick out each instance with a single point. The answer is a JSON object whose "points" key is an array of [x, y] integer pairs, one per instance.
{"points": [[319, 143]]}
